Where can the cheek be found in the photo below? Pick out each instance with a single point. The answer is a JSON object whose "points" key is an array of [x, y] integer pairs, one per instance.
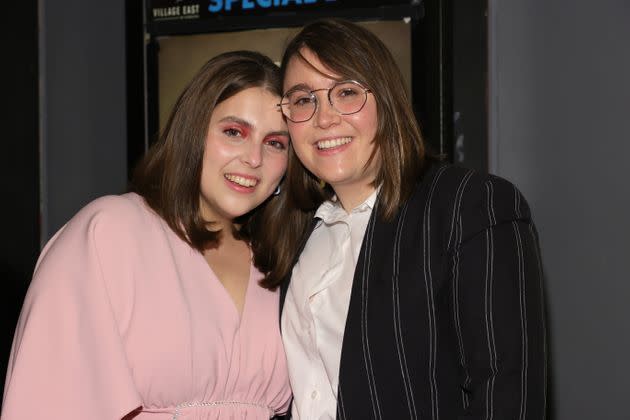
{"points": [[214, 161], [300, 150], [367, 122], [298, 132], [218, 153], [299, 139]]}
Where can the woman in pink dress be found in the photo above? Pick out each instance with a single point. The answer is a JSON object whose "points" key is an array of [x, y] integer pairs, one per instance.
{"points": [[156, 304]]}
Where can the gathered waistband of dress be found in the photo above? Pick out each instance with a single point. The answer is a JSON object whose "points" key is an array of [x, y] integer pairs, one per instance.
{"points": [[230, 403]]}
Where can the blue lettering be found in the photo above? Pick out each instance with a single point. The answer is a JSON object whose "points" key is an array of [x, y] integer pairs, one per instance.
{"points": [[215, 6]]}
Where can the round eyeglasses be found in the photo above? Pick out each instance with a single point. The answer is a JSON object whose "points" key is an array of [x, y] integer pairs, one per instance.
{"points": [[346, 97]]}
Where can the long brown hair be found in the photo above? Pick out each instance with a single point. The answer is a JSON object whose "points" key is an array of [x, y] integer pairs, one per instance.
{"points": [[169, 175], [353, 53]]}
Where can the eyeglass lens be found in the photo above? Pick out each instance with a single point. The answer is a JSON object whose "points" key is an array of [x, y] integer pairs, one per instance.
{"points": [[346, 97]]}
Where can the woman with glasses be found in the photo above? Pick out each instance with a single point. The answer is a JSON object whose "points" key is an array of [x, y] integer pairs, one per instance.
{"points": [[417, 292], [156, 304]]}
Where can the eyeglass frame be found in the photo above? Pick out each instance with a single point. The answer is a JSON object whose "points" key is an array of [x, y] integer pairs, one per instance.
{"points": [[312, 95]]}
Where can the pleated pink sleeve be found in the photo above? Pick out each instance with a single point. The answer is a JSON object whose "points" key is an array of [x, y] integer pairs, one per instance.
{"points": [[68, 359]]}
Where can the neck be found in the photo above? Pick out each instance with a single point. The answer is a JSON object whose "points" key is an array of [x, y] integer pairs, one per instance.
{"points": [[351, 196], [223, 224], [226, 228]]}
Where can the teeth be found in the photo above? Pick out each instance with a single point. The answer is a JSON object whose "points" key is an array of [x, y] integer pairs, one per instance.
{"points": [[328, 144], [245, 182]]}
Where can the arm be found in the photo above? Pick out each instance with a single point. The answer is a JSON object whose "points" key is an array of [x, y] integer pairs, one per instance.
{"points": [[68, 359], [499, 311]]}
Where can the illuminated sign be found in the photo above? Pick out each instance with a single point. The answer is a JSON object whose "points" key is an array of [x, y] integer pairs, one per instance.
{"points": [[186, 11], [169, 10], [227, 5]]}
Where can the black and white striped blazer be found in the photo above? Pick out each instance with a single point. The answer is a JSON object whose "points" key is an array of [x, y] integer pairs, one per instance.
{"points": [[446, 316]]}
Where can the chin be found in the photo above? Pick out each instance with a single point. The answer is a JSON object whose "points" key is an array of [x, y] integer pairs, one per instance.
{"points": [[243, 212]]}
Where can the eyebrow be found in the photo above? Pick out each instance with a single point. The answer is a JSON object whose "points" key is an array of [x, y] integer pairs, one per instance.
{"points": [[299, 86], [237, 120], [308, 88]]}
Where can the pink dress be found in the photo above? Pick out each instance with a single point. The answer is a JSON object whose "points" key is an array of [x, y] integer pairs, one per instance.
{"points": [[122, 315]]}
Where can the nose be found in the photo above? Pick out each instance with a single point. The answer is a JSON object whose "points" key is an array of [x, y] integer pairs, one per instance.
{"points": [[325, 114], [252, 155]]}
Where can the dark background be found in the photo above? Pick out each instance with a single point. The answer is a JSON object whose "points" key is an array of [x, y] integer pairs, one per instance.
{"points": [[19, 163]]}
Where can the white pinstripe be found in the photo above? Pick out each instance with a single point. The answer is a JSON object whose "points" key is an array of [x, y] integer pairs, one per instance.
{"points": [[468, 379], [428, 281], [341, 411], [544, 323], [522, 299], [455, 278], [521, 283], [457, 204], [364, 328], [488, 305], [456, 317], [517, 202], [400, 345]]}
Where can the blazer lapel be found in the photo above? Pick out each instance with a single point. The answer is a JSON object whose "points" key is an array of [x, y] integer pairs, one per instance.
{"points": [[366, 331], [371, 385]]}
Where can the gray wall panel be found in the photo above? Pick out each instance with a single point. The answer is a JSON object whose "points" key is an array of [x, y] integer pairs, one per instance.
{"points": [[560, 118], [84, 121]]}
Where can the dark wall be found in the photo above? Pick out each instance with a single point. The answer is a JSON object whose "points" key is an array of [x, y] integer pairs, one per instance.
{"points": [[470, 73], [84, 106], [19, 177], [63, 101]]}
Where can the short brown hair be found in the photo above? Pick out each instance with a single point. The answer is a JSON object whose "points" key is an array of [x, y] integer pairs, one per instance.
{"points": [[354, 52], [169, 176]]}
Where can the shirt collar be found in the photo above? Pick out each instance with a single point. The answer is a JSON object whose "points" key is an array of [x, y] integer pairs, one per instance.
{"points": [[331, 211]]}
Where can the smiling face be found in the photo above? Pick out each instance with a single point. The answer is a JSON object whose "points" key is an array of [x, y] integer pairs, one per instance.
{"points": [[245, 157], [334, 147]]}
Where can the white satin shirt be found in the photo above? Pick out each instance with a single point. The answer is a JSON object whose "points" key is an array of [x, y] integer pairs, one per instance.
{"points": [[316, 306]]}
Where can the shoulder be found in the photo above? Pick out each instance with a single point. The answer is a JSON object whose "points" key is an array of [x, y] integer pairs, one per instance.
{"points": [[104, 237], [113, 221], [125, 208], [115, 214], [446, 184], [472, 199]]}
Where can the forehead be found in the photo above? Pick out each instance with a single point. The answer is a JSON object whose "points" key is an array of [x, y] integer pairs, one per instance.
{"points": [[257, 106], [307, 69], [258, 97]]}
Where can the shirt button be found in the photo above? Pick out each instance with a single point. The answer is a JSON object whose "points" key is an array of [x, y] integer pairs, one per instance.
{"points": [[313, 395]]}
